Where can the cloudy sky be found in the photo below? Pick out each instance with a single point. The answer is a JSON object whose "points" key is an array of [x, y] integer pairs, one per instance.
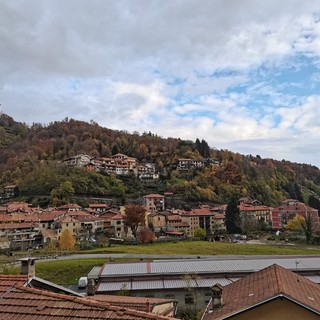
{"points": [[242, 74]]}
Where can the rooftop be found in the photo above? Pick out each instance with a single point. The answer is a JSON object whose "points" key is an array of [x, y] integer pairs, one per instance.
{"points": [[28, 303], [269, 283]]}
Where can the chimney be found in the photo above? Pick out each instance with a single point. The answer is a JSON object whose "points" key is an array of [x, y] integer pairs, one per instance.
{"points": [[28, 266], [216, 293], [91, 288], [148, 306]]}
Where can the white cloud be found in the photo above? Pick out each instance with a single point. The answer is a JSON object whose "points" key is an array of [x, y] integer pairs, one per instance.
{"points": [[183, 68]]}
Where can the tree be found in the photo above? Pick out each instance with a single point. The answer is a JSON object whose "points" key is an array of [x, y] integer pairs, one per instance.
{"points": [[232, 219], [296, 223], [135, 217], [67, 241], [308, 228], [146, 236], [200, 233], [64, 192], [314, 202]]}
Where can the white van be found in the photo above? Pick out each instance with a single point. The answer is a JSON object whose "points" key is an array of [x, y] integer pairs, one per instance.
{"points": [[83, 282]]}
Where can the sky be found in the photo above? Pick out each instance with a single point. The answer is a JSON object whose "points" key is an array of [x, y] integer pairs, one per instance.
{"points": [[242, 74]]}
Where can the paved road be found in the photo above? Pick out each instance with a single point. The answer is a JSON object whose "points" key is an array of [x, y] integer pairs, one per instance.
{"points": [[109, 257]]}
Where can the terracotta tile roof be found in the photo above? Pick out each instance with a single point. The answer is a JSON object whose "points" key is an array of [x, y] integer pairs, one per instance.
{"points": [[153, 195], [98, 205], [174, 217], [70, 206], [137, 303], [7, 281], [66, 219], [202, 212], [22, 303], [78, 213], [246, 207], [259, 287], [118, 217], [21, 225], [16, 206], [219, 216], [87, 218]]}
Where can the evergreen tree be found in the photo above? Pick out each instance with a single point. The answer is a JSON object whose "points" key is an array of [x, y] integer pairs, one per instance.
{"points": [[114, 150], [232, 219], [205, 149], [314, 202], [308, 228], [198, 145]]}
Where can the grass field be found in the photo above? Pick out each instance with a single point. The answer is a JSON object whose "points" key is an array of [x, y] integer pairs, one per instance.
{"points": [[210, 248], [68, 271]]}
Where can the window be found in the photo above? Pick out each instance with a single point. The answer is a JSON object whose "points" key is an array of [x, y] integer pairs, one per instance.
{"points": [[188, 298]]}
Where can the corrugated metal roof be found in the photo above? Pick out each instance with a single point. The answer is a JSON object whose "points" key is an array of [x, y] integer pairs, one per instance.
{"points": [[113, 286], [162, 284], [207, 266], [147, 285], [94, 273]]}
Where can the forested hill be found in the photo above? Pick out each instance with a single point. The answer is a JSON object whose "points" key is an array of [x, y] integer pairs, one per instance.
{"points": [[31, 157]]}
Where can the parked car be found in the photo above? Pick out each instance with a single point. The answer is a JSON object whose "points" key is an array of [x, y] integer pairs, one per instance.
{"points": [[83, 282]]}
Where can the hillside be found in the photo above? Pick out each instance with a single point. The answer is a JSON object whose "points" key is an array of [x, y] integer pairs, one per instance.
{"points": [[31, 157]]}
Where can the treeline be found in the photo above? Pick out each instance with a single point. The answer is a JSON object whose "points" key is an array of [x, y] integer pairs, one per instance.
{"points": [[31, 157]]}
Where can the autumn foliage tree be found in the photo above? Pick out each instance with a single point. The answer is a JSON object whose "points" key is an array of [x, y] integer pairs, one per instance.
{"points": [[67, 241], [296, 223], [145, 235], [135, 217]]}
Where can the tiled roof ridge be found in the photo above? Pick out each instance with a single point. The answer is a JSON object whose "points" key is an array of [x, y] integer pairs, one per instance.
{"points": [[87, 302], [278, 274]]}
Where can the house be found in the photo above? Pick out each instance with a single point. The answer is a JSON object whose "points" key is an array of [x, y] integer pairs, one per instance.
{"points": [[118, 226], [157, 220], [219, 225], [205, 216], [154, 202], [79, 160], [67, 223], [10, 191], [192, 220], [99, 207], [187, 164], [256, 213], [271, 293], [22, 235], [291, 208], [70, 207]]}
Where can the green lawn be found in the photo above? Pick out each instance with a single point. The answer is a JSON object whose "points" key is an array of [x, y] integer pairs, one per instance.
{"points": [[209, 248]]}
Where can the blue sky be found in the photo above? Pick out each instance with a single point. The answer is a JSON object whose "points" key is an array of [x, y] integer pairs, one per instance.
{"points": [[242, 74]]}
